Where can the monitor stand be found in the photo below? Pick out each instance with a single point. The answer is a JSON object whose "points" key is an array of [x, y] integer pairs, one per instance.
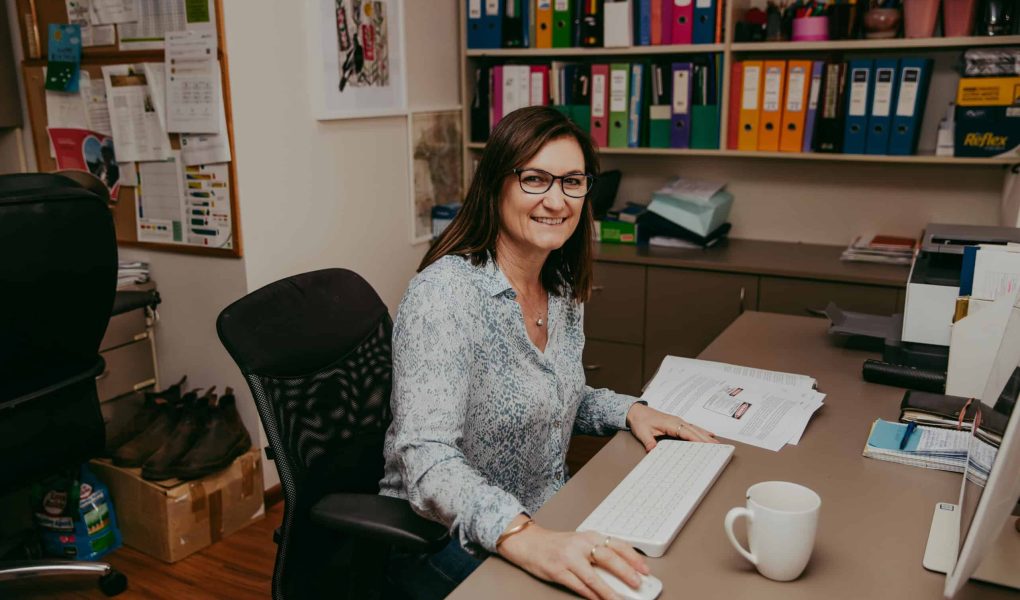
{"points": [[1000, 563]]}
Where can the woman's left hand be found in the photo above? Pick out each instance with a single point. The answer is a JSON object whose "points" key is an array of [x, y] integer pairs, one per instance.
{"points": [[647, 424]]}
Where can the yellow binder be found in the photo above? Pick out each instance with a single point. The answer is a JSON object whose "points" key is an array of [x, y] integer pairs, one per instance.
{"points": [[750, 105]]}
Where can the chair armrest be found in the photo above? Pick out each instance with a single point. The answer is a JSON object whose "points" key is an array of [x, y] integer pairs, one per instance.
{"points": [[380, 518]]}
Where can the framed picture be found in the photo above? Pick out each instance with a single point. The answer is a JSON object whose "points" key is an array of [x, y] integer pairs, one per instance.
{"points": [[436, 166], [357, 58]]}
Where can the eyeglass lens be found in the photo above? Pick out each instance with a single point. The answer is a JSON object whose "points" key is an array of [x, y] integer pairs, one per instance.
{"points": [[535, 181]]}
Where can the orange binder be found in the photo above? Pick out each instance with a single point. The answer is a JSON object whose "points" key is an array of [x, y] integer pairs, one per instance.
{"points": [[543, 23], [750, 105], [771, 119], [798, 84]]}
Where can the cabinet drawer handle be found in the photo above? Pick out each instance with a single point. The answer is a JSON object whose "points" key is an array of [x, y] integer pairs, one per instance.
{"points": [[144, 384], [103, 375], [590, 368], [598, 288], [742, 294]]}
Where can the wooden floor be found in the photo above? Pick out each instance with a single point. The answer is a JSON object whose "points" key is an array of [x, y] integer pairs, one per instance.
{"points": [[239, 566]]}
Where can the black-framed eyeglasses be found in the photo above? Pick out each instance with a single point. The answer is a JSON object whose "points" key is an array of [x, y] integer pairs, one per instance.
{"points": [[537, 181]]}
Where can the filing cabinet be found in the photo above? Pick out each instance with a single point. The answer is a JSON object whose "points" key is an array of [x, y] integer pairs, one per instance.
{"points": [[128, 347]]}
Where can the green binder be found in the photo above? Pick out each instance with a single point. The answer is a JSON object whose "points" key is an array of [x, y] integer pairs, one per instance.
{"points": [[619, 103], [563, 23]]}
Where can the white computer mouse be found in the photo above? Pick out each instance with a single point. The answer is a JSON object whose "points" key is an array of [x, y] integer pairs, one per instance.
{"points": [[650, 588]]}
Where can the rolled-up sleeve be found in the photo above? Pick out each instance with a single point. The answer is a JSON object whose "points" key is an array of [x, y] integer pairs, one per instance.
{"points": [[602, 411], [432, 362]]}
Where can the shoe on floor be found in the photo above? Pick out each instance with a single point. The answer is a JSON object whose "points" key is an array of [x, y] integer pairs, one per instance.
{"points": [[190, 427], [144, 417], [135, 452], [224, 439]]}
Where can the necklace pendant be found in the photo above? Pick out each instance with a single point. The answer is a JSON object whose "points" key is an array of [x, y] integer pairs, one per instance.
{"points": [[539, 322]]}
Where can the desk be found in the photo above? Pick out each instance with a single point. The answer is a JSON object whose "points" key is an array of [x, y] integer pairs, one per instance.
{"points": [[874, 518]]}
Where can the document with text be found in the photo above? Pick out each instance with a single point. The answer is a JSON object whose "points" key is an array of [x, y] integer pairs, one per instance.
{"points": [[763, 408]]}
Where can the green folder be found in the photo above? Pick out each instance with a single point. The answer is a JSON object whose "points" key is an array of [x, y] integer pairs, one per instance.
{"points": [[619, 103], [659, 123], [581, 114], [705, 126]]}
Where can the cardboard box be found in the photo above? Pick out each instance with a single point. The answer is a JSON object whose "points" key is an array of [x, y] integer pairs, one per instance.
{"points": [[988, 91], [987, 117], [987, 131], [171, 519], [615, 232]]}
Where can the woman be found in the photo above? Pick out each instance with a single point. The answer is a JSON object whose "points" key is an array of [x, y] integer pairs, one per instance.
{"points": [[488, 383]]}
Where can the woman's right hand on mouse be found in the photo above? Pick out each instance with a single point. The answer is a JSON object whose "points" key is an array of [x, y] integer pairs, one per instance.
{"points": [[569, 559]]}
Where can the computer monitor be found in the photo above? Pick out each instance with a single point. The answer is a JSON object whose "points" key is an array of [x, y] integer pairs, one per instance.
{"points": [[977, 537]]}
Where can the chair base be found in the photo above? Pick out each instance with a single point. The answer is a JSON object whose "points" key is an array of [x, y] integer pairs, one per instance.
{"points": [[111, 581]]}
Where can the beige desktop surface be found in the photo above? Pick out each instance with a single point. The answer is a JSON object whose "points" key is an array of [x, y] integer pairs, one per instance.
{"points": [[874, 518]]}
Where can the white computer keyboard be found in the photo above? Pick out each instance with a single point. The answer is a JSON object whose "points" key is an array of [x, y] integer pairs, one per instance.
{"points": [[651, 504]]}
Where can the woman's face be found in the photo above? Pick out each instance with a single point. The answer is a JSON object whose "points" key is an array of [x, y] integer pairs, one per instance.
{"points": [[540, 223]]}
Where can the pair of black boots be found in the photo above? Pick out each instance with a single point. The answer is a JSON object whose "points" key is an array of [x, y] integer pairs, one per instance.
{"points": [[182, 435]]}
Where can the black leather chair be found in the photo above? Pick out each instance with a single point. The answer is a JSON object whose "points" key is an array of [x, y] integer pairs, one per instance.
{"points": [[58, 276], [315, 350]]}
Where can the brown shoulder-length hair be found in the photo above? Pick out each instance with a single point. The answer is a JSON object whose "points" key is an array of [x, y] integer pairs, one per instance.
{"points": [[473, 232]]}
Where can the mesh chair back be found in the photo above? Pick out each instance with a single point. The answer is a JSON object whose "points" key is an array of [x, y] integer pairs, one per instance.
{"points": [[58, 277], [315, 350]]}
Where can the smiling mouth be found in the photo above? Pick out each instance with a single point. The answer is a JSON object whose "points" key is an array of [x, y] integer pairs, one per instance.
{"points": [[548, 221]]}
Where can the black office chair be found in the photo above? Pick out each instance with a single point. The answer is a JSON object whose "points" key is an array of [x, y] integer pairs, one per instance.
{"points": [[58, 275], [315, 350]]}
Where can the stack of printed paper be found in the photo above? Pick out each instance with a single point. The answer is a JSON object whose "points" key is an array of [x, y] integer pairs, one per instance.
{"points": [[931, 448], [763, 408]]}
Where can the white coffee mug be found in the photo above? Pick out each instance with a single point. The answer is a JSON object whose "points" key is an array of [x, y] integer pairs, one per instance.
{"points": [[781, 521]]}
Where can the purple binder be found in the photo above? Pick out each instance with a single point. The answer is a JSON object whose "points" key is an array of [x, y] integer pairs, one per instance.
{"points": [[813, 93], [680, 134]]}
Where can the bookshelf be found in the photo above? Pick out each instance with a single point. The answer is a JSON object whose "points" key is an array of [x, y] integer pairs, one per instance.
{"points": [[731, 51]]}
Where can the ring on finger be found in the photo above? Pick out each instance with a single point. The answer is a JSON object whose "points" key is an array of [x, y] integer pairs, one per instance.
{"points": [[594, 559], [606, 542]]}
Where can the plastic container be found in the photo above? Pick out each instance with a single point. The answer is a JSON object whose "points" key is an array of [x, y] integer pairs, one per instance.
{"points": [[810, 29], [958, 17], [919, 18]]}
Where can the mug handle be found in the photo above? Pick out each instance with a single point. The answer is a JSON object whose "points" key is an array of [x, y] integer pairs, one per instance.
{"points": [[731, 517]]}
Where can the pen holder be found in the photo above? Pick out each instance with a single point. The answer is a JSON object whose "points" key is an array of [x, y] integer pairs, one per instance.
{"points": [[810, 29]]}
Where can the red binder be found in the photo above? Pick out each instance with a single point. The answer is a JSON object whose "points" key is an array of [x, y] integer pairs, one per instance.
{"points": [[600, 105], [683, 21]]}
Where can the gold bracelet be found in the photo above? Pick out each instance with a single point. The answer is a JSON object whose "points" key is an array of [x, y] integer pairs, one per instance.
{"points": [[514, 530]]}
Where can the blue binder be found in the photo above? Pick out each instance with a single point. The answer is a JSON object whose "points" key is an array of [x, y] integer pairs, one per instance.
{"points": [[484, 23], [704, 22], [643, 22], [882, 105], [636, 105], [858, 102], [912, 95]]}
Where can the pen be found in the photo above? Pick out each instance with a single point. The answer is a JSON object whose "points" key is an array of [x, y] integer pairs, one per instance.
{"points": [[906, 435]]}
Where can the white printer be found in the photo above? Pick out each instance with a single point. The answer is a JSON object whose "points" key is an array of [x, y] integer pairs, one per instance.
{"points": [[934, 282]]}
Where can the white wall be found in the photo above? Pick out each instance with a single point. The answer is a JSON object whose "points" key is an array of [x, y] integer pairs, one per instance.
{"points": [[318, 194], [828, 202]]}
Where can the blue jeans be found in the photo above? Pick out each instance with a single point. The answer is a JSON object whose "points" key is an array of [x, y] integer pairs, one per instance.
{"points": [[431, 576]]}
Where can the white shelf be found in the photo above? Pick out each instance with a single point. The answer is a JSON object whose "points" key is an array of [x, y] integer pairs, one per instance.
{"points": [[890, 44], [820, 156], [629, 51]]}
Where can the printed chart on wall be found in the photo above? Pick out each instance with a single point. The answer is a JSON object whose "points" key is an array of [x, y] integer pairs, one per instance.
{"points": [[180, 204]]}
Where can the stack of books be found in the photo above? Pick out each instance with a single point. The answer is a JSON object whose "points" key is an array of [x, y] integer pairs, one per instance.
{"points": [[885, 249], [931, 448], [131, 272]]}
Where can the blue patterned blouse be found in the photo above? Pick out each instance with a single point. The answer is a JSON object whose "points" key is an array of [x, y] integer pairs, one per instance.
{"points": [[481, 418]]}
